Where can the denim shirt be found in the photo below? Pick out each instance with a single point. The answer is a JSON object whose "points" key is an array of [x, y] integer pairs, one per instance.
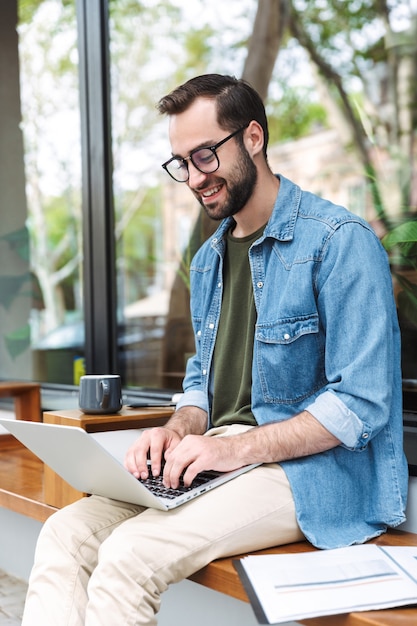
{"points": [[326, 341]]}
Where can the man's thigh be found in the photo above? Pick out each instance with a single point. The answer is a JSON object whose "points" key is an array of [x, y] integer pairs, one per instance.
{"points": [[81, 527]]}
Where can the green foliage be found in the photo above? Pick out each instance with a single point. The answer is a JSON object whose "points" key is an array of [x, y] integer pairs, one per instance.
{"points": [[341, 31], [294, 115], [198, 48], [140, 245], [401, 242], [404, 238], [361, 49], [61, 223], [347, 36], [27, 8], [407, 300]]}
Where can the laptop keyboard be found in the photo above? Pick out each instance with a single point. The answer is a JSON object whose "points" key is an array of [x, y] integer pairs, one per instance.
{"points": [[156, 486]]}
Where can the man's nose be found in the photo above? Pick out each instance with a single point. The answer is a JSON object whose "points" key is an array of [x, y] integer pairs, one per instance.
{"points": [[195, 177]]}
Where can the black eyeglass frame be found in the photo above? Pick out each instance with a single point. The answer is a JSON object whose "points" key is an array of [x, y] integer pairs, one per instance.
{"points": [[212, 149]]}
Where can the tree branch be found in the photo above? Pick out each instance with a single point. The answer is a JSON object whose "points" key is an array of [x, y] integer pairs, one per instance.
{"points": [[270, 23]]}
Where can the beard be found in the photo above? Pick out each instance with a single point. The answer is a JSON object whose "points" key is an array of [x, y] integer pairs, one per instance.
{"points": [[240, 187]]}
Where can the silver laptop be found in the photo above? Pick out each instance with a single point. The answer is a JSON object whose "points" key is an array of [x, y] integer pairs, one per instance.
{"points": [[86, 465]]}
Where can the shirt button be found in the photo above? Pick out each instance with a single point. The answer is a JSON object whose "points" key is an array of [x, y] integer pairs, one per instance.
{"points": [[365, 435], [219, 285], [259, 284], [286, 336], [204, 372], [199, 333], [211, 326]]}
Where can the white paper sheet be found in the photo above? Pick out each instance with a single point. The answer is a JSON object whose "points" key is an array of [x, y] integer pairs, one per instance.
{"points": [[327, 582]]}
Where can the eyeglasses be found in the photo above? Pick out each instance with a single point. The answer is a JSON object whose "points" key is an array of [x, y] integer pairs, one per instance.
{"points": [[204, 159]]}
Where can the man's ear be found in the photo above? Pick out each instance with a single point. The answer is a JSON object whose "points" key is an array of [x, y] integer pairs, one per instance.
{"points": [[254, 138]]}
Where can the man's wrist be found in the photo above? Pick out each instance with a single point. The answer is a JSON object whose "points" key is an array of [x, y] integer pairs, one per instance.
{"points": [[188, 420]]}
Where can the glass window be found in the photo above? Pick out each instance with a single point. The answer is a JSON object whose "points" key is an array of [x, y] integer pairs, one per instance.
{"points": [[41, 320], [154, 46], [155, 217]]}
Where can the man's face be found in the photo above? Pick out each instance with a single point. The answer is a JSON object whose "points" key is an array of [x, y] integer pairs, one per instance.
{"points": [[226, 191]]}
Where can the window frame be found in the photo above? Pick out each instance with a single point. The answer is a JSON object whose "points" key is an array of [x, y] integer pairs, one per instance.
{"points": [[99, 273]]}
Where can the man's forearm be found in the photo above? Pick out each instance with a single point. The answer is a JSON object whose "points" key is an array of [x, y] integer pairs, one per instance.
{"points": [[296, 437], [188, 420]]}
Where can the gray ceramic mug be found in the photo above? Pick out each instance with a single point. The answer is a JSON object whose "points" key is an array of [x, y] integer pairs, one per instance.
{"points": [[100, 394]]}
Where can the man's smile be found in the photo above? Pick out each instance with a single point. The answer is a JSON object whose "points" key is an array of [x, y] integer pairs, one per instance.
{"points": [[211, 192]]}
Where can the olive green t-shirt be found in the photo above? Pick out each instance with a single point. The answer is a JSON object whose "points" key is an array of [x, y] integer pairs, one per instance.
{"points": [[233, 351]]}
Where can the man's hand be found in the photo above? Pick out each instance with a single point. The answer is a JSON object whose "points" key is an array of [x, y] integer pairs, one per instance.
{"points": [[196, 453], [153, 444], [190, 455], [157, 443]]}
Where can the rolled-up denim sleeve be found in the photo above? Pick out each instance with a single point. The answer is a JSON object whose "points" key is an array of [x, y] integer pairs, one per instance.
{"points": [[194, 397], [343, 423], [194, 394]]}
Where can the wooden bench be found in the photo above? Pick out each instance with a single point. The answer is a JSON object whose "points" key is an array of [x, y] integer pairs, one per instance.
{"points": [[22, 489], [27, 399], [222, 576]]}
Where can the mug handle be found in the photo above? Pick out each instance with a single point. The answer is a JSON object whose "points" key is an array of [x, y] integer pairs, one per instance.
{"points": [[105, 388]]}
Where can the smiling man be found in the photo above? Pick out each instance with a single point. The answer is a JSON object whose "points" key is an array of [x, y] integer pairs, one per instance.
{"points": [[297, 369]]}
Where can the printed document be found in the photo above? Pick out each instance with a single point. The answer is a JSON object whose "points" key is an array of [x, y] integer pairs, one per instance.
{"points": [[288, 587]]}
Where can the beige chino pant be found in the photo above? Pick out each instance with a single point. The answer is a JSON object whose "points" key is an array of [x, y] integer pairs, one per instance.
{"points": [[100, 562]]}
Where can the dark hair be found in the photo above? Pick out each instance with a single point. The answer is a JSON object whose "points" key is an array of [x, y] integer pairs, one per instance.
{"points": [[237, 102]]}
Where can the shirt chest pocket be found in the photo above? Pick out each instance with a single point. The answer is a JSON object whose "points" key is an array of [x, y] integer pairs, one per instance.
{"points": [[289, 358]]}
